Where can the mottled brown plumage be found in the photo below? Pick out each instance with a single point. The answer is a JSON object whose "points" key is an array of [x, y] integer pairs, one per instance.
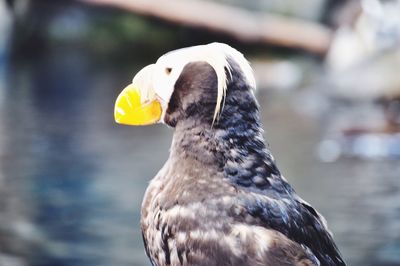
{"points": [[192, 217], [220, 199]]}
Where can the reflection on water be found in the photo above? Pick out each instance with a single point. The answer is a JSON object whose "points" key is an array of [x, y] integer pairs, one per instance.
{"points": [[71, 177], [71, 180]]}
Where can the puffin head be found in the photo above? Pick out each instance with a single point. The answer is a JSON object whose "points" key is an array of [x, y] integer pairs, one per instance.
{"points": [[184, 84]]}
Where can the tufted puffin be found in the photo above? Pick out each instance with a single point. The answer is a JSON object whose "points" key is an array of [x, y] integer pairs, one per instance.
{"points": [[220, 198]]}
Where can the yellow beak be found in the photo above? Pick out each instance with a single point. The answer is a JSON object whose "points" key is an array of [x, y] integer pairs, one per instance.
{"points": [[137, 103]]}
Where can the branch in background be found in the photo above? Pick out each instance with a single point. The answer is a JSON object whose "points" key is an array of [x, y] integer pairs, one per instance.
{"points": [[241, 24]]}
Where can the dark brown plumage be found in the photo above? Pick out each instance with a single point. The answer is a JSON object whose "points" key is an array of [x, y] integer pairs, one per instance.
{"points": [[220, 198]]}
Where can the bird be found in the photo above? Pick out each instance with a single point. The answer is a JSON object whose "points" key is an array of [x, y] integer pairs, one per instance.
{"points": [[220, 198]]}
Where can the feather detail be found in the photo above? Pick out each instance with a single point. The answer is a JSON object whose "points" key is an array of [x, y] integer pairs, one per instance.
{"points": [[217, 55]]}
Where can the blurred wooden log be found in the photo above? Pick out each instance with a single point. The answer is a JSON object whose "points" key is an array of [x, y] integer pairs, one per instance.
{"points": [[241, 24]]}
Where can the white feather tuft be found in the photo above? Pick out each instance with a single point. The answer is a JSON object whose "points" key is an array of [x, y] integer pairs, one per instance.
{"points": [[235, 55], [216, 55]]}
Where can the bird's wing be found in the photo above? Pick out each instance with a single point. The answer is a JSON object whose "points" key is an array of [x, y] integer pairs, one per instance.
{"points": [[297, 220]]}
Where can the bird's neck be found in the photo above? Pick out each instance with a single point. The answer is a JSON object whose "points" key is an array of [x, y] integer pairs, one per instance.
{"points": [[233, 145]]}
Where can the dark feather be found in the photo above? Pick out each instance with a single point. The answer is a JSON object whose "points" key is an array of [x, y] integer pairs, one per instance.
{"points": [[220, 198]]}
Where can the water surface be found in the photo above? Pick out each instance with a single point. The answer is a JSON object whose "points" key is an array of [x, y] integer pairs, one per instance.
{"points": [[72, 181]]}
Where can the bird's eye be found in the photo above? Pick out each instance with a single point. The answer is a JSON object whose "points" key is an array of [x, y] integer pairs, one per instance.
{"points": [[168, 70]]}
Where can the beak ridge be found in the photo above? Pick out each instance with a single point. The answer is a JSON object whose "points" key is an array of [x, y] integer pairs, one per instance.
{"points": [[137, 103]]}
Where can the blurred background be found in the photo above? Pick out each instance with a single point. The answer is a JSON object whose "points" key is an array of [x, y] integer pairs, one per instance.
{"points": [[72, 181]]}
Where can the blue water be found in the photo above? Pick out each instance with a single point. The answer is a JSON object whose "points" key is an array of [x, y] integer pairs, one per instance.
{"points": [[71, 180]]}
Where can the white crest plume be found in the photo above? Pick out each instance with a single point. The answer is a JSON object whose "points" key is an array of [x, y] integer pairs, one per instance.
{"points": [[235, 55], [216, 55]]}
